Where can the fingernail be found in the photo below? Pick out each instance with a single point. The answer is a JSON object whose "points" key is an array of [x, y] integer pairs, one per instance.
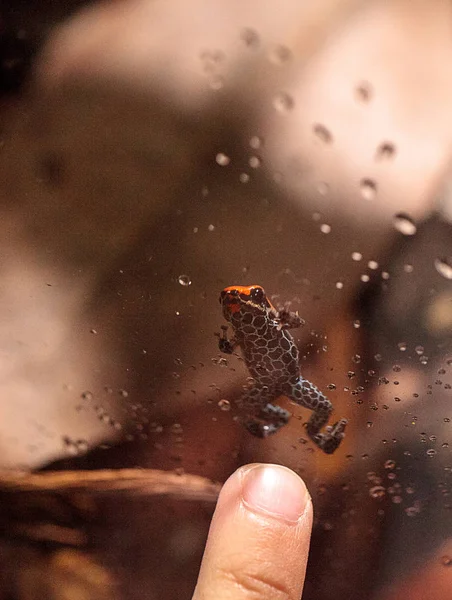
{"points": [[274, 490]]}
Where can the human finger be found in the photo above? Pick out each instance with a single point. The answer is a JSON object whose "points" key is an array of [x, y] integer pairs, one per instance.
{"points": [[259, 537]]}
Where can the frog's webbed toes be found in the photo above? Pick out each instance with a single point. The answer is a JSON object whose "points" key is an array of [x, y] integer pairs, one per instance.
{"points": [[329, 442], [262, 430]]}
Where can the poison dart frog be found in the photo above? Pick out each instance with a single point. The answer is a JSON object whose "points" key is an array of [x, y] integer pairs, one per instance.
{"points": [[272, 359]]}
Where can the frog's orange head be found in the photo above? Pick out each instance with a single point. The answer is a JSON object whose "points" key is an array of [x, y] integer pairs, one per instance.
{"points": [[238, 301]]}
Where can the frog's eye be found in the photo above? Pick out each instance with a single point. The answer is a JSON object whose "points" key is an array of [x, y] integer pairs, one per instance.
{"points": [[228, 294], [257, 295]]}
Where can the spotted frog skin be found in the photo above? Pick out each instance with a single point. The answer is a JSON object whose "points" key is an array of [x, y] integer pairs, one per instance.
{"points": [[272, 358]]}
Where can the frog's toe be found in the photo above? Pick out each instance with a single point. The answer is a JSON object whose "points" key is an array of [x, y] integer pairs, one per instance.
{"points": [[329, 442], [276, 413], [338, 428], [255, 428], [262, 430]]}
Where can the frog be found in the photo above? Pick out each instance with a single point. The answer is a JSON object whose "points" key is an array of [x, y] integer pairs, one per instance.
{"points": [[272, 359]]}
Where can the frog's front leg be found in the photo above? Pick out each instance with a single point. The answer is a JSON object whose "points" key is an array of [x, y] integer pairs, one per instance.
{"points": [[286, 319], [261, 418], [224, 344], [306, 394]]}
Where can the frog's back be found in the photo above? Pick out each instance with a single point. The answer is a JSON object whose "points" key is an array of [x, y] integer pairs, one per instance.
{"points": [[271, 355]]}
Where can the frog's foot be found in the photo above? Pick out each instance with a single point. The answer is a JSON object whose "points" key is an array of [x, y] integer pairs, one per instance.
{"points": [[329, 442], [288, 320], [224, 344], [261, 430], [269, 420]]}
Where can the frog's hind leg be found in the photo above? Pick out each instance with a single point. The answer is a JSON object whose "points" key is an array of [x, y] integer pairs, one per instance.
{"points": [[261, 417], [303, 392]]}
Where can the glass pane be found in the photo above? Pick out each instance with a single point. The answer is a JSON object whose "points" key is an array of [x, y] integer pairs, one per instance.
{"points": [[155, 153]]}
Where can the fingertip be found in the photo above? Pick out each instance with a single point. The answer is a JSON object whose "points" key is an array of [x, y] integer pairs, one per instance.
{"points": [[259, 506], [275, 491]]}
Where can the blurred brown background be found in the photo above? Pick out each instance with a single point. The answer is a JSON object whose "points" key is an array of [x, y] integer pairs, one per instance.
{"points": [[154, 152]]}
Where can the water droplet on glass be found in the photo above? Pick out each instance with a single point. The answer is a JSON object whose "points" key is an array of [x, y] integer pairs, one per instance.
{"points": [[325, 228], [390, 464], [211, 227], [250, 37], [365, 278], [419, 350], [244, 178], [402, 346], [75, 447], [446, 560], [368, 188], [357, 256], [184, 280], [339, 285], [385, 275], [323, 188], [385, 151], [254, 162], [255, 142], [372, 264], [357, 324], [222, 159], [216, 82], [322, 133], [87, 395], [404, 224], [364, 91], [82, 446], [378, 491], [210, 57], [408, 268], [411, 511], [283, 102], [431, 452], [224, 405], [280, 54], [155, 427], [444, 267]]}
